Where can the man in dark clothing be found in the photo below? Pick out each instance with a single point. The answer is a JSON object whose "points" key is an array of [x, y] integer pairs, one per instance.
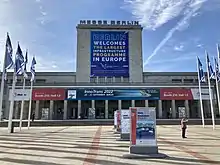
{"points": [[184, 127], [33, 117]]}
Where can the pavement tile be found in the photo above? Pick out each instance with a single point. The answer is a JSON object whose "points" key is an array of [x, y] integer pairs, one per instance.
{"points": [[90, 145]]}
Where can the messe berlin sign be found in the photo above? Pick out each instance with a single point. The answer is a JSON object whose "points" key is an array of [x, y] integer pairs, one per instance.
{"points": [[109, 53]]}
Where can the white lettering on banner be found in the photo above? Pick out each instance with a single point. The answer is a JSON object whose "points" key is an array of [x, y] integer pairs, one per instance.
{"points": [[108, 37], [109, 43]]}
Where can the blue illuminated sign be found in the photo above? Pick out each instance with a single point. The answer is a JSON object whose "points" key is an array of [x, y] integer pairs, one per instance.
{"points": [[109, 54], [113, 94]]}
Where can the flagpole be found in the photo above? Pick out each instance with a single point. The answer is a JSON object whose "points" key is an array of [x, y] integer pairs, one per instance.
{"points": [[218, 61], [3, 82], [210, 93], [11, 110], [2, 89], [200, 96], [30, 104], [22, 103], [216, 84]]}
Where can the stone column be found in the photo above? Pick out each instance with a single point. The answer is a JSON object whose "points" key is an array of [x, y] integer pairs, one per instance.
{"points": [[17, 114], [79, 107], [119, 104], [51, 110], [93, 104], [65, 110], [160, 109], [37, 110], [173, 107], [187, 108], [199, 109], [106, 109], [133, 103], [146, 103]]}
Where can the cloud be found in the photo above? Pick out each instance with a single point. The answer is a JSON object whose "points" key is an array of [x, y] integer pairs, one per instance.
{"points": [[179, 48], [153, 14], [189, 56]]}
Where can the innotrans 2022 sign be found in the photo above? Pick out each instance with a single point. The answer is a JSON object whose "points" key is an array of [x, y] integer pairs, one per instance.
{"points": [[113, 94], [109, 53]]}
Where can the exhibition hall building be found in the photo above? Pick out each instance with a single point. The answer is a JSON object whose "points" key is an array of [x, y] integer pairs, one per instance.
{"points": [[109, 76]]}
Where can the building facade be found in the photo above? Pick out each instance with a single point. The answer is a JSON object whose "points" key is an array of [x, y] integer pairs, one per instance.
{"points": [[109, 76]]}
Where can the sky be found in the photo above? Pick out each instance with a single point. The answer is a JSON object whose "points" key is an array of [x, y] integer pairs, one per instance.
{"points": [[175, 32]]}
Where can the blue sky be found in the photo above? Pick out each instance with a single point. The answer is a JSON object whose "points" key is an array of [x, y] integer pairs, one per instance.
{"points": [[175, 31]]}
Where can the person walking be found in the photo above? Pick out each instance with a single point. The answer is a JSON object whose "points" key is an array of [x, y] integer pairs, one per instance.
{"points": [[33, 117], [184, 127]]}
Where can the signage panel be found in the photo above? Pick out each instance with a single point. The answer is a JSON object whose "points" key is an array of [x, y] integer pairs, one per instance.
{"points": [[175, 94], [205, 94], [20, 94], [109, 53], [125, 121], [143, 126], [48, 94], [116, 94], [184, 94]]}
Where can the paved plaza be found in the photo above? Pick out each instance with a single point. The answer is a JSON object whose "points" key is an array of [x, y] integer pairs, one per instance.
{"points": [[87, 145]]}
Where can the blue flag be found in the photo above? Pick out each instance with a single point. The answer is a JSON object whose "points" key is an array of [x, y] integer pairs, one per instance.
{"points": [[201, 72], [25, 65], [8, 56], [217, 70], [210, 69], [32, 69], [19, 61]]}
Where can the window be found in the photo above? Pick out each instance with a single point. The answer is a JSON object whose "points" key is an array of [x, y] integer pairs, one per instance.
{"points": [[109, 79], [125, 79], [40, 80], [176, 80], [93, 79], [188, 80], [101, 79], [117, 79]]}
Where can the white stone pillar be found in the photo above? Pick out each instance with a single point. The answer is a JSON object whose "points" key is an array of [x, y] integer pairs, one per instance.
{"points": [[37, 109], [119, 105], [79, 107], [133, 103], [51, 110], [146, 103], [93, 104], [173, 107], [187, 108], [160, 109], [65, 104], [106, 109], [17, 113], [199, 109]]}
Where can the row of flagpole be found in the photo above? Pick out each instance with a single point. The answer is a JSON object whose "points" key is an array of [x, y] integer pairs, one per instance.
{"points": [[19, 65], [211, 75]]}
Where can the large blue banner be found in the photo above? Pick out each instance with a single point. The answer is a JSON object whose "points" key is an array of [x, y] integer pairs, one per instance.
{"points": [[113, 94], [109, 54]]}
